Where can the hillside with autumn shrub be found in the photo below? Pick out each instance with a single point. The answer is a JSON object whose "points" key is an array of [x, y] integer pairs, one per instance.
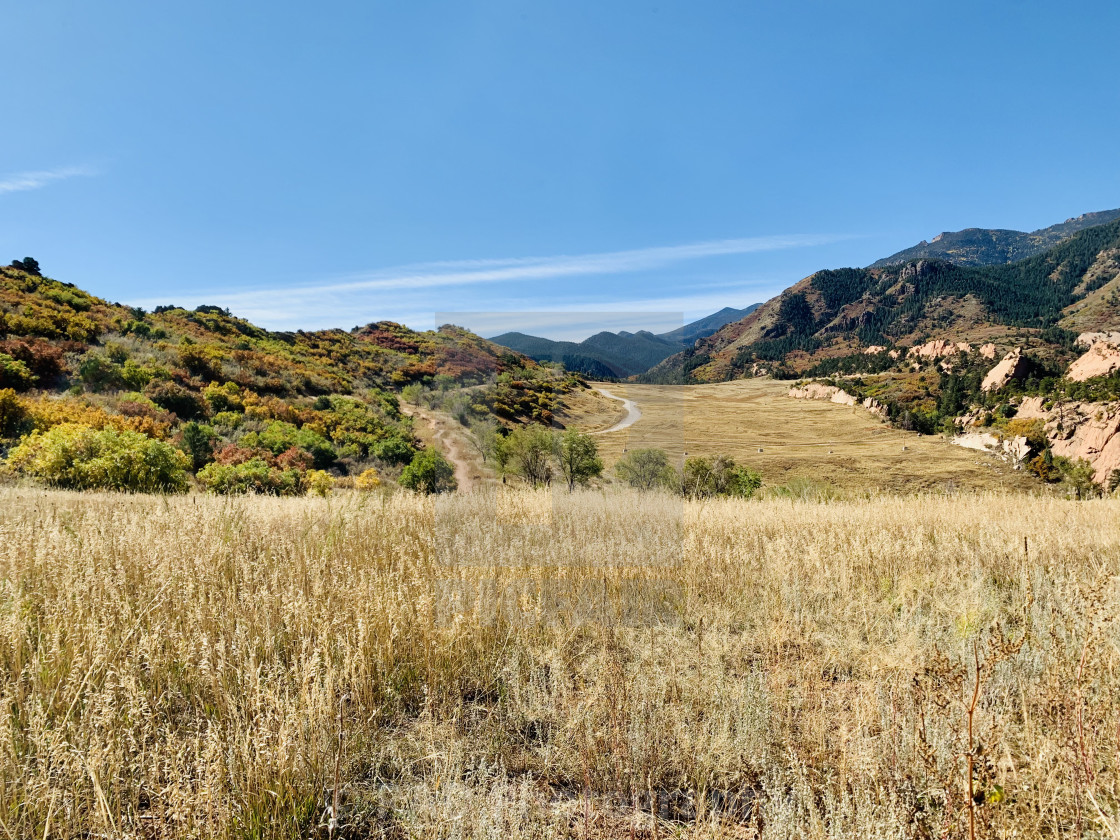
{"points": [[100, 395]]}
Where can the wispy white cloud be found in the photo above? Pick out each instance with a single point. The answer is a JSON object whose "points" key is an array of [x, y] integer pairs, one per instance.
{"points": [[457, 291], [23, 181], [290, 302], [470, 272]]}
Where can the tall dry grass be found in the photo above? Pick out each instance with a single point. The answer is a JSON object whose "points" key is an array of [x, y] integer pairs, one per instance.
{"points": [[529, 665]]}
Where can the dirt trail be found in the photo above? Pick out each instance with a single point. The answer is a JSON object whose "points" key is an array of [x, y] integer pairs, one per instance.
{"points": [[633, 413], [466, 473]]}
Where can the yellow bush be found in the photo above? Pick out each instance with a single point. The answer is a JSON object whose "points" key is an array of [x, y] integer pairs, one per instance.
{"points": [[46, 413], [368, 480], [318, 482]]}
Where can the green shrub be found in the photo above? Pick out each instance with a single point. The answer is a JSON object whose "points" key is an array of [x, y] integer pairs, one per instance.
{"points": [[15, 374], [252, 476], [78, 457], [646, 469], [135, 376], [229, 419], [177, 399], [13, 414], [429, 472], [99, 371], [719, 476], [393, 450], [280, 436]]}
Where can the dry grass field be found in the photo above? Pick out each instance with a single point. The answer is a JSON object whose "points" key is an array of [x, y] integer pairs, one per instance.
{"points": [[823, 442], [539, 665]]}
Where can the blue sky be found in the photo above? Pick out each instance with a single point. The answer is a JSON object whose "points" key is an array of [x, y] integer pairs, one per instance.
{"points": [[334, 164]]}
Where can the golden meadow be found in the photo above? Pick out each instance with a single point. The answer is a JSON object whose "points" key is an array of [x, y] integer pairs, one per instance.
{"points": [[519, 664]]}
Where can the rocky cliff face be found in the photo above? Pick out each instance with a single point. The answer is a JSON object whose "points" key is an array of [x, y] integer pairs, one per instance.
{"points": [[816, 391], [1102, 359], [937, 348], [1080, 430], [1012, 366], [1013, 449]]}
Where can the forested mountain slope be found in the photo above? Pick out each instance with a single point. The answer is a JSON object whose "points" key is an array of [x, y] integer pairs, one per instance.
{"points": [[605, 355], [983, 246], [830, 319], [608, 355]]}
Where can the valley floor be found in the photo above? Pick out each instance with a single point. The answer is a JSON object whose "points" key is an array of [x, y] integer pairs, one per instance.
{"points": [[753, 421], [538, 664]]}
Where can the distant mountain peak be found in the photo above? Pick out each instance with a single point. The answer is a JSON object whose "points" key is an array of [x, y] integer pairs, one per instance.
{"points": [[608, 355], [996, 246], [825, 323]]}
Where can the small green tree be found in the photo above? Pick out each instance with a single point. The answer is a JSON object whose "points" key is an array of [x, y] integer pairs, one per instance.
{"points": [[429, 472], [646, 469], [1113, 477], [1078, 474], [530, 450], [29, 265], [578, 456], [198, 442], [703, 477], [485, 438], [15, 373]]}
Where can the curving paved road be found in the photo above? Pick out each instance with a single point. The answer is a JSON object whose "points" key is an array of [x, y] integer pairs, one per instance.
{"points": [[633, 413]]}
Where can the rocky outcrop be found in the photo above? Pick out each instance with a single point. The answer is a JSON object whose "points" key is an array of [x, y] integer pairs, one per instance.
{"points": [[876, 408], [1088, 339], [1017, 447], [816, 391], [1012, 366], [874, 349], [1032, 408], [1102, 359], [938, 348], [988, 351], [1090, 431], [1013, 449], [981, 441], [1075, 430]]}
